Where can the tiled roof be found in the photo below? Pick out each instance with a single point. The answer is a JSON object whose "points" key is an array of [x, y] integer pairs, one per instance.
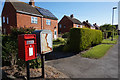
{"points": [[46, 13], [74, 20], [84, 22], [21, 6]]}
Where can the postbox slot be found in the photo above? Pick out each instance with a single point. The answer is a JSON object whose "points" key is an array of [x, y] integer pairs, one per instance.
{"points": [[30, 42]]}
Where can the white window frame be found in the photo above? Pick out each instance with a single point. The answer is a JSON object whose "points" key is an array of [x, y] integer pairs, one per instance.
{"points": [[81, 26], [7, 20], [77, 25], [3, 19], [48, 22], [34, 20], [64, 26], [60, 25]]}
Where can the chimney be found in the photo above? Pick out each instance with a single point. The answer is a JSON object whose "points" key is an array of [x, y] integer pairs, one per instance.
{"points": [[32, 3], [71, 16], [87, 21]]}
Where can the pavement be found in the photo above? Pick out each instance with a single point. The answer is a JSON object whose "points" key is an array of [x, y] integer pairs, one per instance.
{"points": [[75, 66]]}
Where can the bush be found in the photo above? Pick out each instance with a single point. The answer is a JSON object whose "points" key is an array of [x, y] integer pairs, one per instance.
{"points": [[59, 40], [36, 63], [10, 45], [83, 38], [65, 35]]}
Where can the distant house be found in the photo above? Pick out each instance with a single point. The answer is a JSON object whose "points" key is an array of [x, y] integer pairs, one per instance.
{"points": [[86, 24], [96, 26], [67, 22], [20, 14]]}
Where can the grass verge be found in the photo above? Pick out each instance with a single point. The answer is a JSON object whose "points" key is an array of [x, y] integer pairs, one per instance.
{"points": [[97, 51], [107, 41]]}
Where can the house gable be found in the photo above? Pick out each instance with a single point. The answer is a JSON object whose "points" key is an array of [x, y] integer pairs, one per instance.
{"points": [[9, 13]]}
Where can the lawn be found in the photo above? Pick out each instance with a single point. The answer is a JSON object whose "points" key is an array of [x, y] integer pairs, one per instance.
{"points": [[97, 51], [108, 41], [115, 37]]}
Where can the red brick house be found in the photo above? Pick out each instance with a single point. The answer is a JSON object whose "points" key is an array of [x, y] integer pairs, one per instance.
{"points": [[67, 22], [96, 26], [86, 24], [20, 14]]}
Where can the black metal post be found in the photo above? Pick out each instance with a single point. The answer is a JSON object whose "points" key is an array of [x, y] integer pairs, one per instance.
{"points": [[36, 62], [42, 61], [28, 70]]}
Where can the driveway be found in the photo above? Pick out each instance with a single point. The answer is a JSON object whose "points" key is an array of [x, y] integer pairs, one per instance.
{"points": [[75, 66]]}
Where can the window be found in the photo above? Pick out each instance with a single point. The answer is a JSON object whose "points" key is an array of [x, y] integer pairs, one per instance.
{"points": [[3, 19], [64, 26], [77, 26], [80, 26], [34, 20], [7, 20], [60, 25], [48, 22]]}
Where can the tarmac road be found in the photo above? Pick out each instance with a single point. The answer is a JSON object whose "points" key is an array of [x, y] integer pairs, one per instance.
{"points": [[75, 66]]}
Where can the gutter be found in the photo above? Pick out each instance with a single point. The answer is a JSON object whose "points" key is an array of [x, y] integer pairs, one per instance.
{"points": [[33, 15], [28, 13]]}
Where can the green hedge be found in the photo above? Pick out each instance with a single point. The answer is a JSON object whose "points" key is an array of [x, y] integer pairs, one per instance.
{"points": [[82, 38]]}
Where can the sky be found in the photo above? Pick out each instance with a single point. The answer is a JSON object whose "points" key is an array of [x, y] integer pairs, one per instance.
{"points": [[94, 12]]}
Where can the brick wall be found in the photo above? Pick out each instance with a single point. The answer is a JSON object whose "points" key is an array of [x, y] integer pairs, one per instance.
{"points": [[65, 22], [24, 20], [8, 11], [52, 27]]}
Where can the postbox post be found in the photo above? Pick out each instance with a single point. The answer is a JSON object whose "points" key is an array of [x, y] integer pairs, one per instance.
{"points": [[28, 70], [44, 45], [42, 61], [27, 49]]}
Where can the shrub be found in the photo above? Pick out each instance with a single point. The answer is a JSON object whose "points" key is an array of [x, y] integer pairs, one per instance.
{"points": [[59, 40], [10, 45], [83, 38], [35, 63], [65, 35]]}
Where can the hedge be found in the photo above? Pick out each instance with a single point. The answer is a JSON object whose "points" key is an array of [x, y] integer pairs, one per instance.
{"points": [[83, 38]]}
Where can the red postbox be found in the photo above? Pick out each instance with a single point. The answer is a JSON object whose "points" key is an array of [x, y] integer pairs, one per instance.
{"points": [[27, 47]]}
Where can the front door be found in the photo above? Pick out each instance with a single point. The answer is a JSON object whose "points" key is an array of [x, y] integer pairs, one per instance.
{"points": [[55, 34]]}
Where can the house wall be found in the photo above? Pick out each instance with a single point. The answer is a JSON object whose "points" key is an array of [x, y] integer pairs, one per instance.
{"points": [[65, 21], [75, 25], [52, 27], [92, 28], [24, 20], [8, 11]]}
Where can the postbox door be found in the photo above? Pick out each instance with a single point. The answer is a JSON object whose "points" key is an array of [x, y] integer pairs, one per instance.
{"points": [[30, 51]]}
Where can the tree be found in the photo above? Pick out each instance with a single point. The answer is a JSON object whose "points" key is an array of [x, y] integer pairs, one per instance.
{"points": [[107, 29]]}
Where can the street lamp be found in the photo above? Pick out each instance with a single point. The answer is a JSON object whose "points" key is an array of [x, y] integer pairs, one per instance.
{"points": [[112, 22]]}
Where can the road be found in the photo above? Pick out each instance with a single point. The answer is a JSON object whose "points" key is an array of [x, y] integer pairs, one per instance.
{"points": [[75, 66]]}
